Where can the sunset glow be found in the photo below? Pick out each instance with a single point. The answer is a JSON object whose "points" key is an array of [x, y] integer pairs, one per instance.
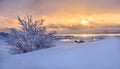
{"points": [[84, 22], [62, 15]]}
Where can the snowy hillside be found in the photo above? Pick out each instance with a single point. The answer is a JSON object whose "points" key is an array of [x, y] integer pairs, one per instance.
{"points": [[103, 54]]}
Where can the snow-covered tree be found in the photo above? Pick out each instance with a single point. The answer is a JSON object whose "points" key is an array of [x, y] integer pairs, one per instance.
{"points": [[31, 36]]}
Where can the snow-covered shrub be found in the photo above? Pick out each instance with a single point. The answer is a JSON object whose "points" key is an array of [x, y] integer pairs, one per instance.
{"points": [[31, 36], [3, 34]]}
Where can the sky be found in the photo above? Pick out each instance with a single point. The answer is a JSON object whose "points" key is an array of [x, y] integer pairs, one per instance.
{"points": [[64, 16]]}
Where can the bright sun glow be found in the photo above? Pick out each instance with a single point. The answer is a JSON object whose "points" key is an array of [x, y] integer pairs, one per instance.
{"points": [[84, 22]]}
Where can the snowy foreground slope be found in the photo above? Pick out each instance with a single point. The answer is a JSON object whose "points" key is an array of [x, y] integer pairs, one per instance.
{"points": [[103, 54]]}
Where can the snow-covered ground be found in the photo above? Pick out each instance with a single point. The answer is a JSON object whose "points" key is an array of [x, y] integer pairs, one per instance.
{"points": [[103, 54]]}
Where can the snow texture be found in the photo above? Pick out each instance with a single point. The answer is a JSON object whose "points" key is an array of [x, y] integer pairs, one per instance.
{"points": [[103, 54]]}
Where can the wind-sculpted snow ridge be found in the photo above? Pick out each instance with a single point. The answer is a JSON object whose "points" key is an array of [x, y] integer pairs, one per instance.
{"points": [[104, 54]]}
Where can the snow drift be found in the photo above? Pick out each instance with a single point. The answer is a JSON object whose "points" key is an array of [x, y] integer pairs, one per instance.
{"points": [[104, 54]]}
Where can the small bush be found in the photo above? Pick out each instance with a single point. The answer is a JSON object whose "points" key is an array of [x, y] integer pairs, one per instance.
{"points": [[3, 34], [31, 36]]}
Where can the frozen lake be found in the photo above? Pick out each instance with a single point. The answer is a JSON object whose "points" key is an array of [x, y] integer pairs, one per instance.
{"points": [[87, 35]]}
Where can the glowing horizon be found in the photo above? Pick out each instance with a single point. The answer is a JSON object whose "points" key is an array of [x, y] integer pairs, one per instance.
{"points": [[72, 16]]}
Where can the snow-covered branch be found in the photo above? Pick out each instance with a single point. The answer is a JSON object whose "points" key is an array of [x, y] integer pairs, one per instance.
{"points": [[32, 36]]}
